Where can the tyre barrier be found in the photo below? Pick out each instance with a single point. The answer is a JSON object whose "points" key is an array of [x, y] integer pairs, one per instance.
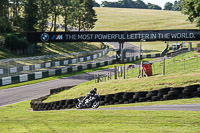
{"points": [[57, 90], [170, 93]]}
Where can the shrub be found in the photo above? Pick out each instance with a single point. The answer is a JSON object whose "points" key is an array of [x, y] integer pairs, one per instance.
{"points": [[12, 42]]}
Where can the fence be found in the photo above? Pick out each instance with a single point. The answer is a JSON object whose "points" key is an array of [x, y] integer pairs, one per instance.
{"points": [[18, 66], [183, 63]]}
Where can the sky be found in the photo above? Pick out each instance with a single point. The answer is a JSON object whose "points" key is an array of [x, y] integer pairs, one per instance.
{"points": [[161, 3]]}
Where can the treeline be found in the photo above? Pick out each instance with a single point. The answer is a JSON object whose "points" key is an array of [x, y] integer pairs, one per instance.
{"points": [[176, 6], [130, 4], [42, 15], [173, 7]]}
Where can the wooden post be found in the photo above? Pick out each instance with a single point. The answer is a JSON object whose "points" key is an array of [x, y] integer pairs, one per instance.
{"points": [[94, 79], [118, 71], [115, 72], [121, 71], [164, 66], [98, 78], [132, 69], [184, 64], [141, 65], [124, 71], [142, 70], [110, 75]]}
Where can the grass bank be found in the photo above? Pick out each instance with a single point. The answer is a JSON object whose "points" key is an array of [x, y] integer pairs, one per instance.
{"points": [[53, 48], [117, 19], [184, 65], [15, 118]]}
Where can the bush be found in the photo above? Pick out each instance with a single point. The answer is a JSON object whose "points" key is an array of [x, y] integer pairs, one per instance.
{"points": [[12, 42]]}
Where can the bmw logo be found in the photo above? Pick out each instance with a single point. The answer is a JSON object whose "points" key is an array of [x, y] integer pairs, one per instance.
{"points": [[44, 37]]}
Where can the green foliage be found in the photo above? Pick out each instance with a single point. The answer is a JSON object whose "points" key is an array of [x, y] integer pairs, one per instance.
{"points": [[130, 4], [30, 15], [153, 6], [173, 7], [168, 6], [16, 6], [192, 9], [90, 15], [44, 9], [12, 42], [177, 6], [95, 4], [5, 24]]}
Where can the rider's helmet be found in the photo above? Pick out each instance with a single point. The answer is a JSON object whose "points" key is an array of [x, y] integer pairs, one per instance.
{"points": [[93, 91]]}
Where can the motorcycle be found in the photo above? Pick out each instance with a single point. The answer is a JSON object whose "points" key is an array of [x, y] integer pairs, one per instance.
{"points": [[87, 102]]}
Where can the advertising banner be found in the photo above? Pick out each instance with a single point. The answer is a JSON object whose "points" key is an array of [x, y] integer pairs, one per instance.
{"points": [[116, 36]]}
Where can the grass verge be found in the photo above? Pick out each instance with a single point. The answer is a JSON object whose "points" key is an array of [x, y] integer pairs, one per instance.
{"points": [[170, 102], [190, 75], [130, 85], [15, 118]]}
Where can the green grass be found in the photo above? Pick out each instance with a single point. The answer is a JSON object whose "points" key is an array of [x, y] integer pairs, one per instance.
{"points": [[15, 118], [130, 85], [170, 102], [190, 75], [117, 19], [54, 48]]}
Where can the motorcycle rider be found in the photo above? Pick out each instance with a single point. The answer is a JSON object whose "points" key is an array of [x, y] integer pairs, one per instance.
{"points": [[91, 94]]}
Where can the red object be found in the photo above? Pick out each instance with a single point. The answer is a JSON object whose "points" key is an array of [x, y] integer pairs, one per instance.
{"points": [[198, 48], [148, 69]]}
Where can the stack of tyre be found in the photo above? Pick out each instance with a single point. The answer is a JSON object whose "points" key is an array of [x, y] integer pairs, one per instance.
{"points": [[57, 105], [148, 96], [123, 98]]}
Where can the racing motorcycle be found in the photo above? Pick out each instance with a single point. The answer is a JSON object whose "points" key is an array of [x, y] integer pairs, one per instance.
{"points": [[87, 103]]}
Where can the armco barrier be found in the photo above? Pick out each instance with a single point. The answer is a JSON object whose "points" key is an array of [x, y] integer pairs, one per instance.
{"points": [[51, 72], [68, 69], [169, 93]]}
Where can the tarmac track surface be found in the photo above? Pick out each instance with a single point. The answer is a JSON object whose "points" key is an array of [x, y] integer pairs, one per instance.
{"points": [[23, 93], [27, 92], [183, 107]]}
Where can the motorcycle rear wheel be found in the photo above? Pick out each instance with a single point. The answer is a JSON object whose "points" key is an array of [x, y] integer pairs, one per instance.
{"points": [[79, 105]]}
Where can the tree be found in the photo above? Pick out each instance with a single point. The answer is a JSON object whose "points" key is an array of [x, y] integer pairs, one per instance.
{"points": [[90, 15], [177, 6], [95, 4], [78, 14], [66, 12], [153, 6], [5, 24], [16, 8], [30, 15], [141, 4], [192, 9], [44, 9], [110, 4], [55, 12], [168, 6], [128, 4], [83, 14]]}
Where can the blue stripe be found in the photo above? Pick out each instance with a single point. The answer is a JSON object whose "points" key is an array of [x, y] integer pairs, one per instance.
{"points": [[53, 37]]}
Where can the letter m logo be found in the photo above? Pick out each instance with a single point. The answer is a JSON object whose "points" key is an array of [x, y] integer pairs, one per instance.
{"points": [[59, 37]]}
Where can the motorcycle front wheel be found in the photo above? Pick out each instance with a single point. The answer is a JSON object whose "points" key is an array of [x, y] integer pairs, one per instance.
{"points": [[96, 104]]}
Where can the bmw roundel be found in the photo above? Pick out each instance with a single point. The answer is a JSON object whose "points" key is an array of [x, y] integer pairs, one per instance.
{"points": [[44, 37]]}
